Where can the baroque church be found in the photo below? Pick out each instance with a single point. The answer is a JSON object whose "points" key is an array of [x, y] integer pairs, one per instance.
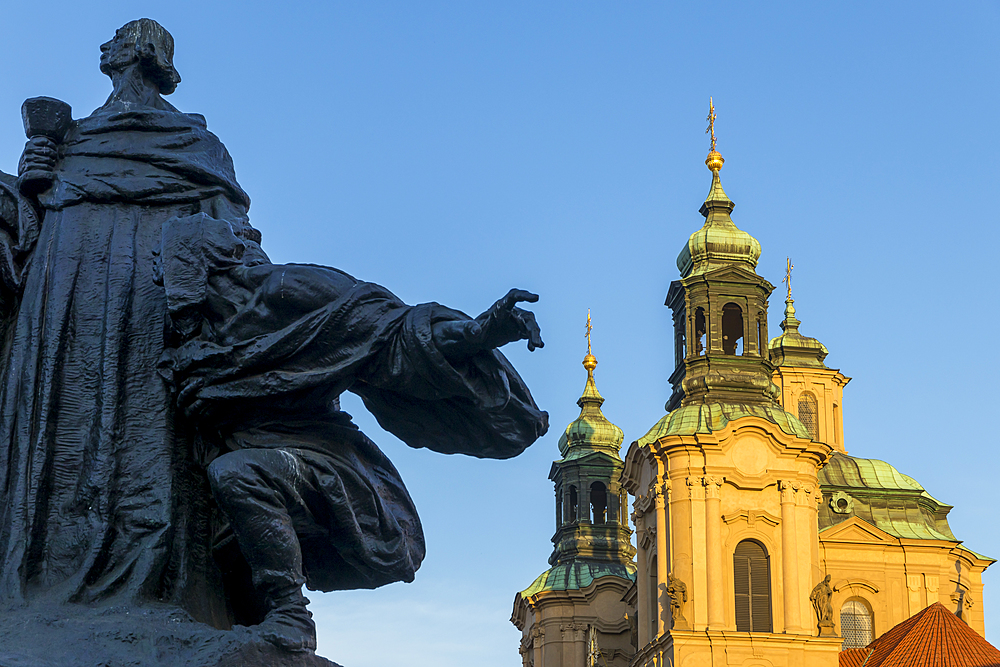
{"points": [[759, 541]]}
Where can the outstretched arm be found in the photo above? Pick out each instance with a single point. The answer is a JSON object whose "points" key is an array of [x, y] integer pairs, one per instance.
{"points": [[503, 323]]}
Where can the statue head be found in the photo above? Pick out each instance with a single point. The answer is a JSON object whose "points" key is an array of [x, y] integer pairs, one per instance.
{"points": [[147, 43]]}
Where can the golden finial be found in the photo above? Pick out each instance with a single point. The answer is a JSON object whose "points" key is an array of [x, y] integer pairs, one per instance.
{"points": [[589, 361], [788, 276], [714, 161]]}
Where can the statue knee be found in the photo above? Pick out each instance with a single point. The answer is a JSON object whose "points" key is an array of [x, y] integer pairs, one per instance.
{"points": [[231, 471]]}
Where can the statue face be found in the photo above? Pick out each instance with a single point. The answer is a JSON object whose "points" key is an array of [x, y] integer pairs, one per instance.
{"points": [[119, 52]]}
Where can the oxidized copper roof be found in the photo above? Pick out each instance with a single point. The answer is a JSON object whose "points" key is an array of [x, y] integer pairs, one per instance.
{"points": [[706, 418], [719, 242], [933, 637], [882, 496], [577, 575], [591, 431]]}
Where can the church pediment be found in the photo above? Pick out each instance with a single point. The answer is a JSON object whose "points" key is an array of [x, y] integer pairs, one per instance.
{"points": [[733, 274], [856, 530]]}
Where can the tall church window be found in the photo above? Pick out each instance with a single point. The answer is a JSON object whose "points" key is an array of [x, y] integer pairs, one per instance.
{"points": [[573, 503], [856, 624], [700, 331], [598, 502], [732, 328], [752, 583], [809, 413]]}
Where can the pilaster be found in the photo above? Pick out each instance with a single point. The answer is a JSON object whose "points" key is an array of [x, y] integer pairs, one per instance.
{"points": [[714, 576], [789, 560]]}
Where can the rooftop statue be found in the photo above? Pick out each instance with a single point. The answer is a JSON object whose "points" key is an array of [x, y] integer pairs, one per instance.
{"points": [[170, 425]]}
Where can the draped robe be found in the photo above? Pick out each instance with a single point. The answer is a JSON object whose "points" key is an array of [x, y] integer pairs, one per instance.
{"points": [[100, 500]]}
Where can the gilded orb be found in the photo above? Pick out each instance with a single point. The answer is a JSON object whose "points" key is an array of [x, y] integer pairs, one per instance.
{"points": [[714, 161]]}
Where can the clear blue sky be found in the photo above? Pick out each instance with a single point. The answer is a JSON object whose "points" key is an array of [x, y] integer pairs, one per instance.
{"points": [[451, 151]]}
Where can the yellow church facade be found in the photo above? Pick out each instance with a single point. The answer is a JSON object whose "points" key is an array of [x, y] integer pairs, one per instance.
{"points": [[759, 541]]}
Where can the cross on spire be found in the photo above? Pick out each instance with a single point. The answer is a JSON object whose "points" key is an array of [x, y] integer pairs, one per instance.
{"points": [[711, 121], [590, 328], [788, 275]]}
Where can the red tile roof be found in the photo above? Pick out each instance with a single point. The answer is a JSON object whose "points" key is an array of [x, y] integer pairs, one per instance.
{"points": [[933, 637], [853, 657]]}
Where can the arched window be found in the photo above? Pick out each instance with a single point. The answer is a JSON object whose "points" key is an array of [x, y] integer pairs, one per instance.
{"points": [[700, 331], [598, 502], [856, 624], [732, 328], [752, 582], [809, 413], [573, 502]]}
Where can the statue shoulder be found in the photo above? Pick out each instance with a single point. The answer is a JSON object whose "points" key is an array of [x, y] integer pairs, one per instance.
{"points": [[8, 202]]}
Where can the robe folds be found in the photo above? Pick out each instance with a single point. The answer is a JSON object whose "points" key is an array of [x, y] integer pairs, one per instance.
{"points": [[266, 371], [100, 501]]}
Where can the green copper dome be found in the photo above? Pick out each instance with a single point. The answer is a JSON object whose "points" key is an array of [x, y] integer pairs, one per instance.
{"points": [[591, 431], [719, 242], [877, 493]]}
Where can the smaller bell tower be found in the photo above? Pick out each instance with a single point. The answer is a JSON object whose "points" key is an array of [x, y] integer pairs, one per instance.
{"points": [[810, 389], [573, 614]]}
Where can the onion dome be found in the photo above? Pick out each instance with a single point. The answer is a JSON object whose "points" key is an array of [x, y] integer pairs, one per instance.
{"points": [[591, 431], [719, 242]]}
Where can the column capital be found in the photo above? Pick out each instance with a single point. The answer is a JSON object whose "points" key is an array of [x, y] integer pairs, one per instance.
{"points": [[788, 491], [713, 486], [693, 483], [660, 491]]}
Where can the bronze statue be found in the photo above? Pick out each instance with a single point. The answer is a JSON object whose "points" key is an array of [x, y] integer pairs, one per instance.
{"points": [[170, 429]]}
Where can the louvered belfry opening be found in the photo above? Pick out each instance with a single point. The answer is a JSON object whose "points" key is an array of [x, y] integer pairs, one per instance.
{"points": [[752, 579], [599, 502], [809, 413], [732, 328]]}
